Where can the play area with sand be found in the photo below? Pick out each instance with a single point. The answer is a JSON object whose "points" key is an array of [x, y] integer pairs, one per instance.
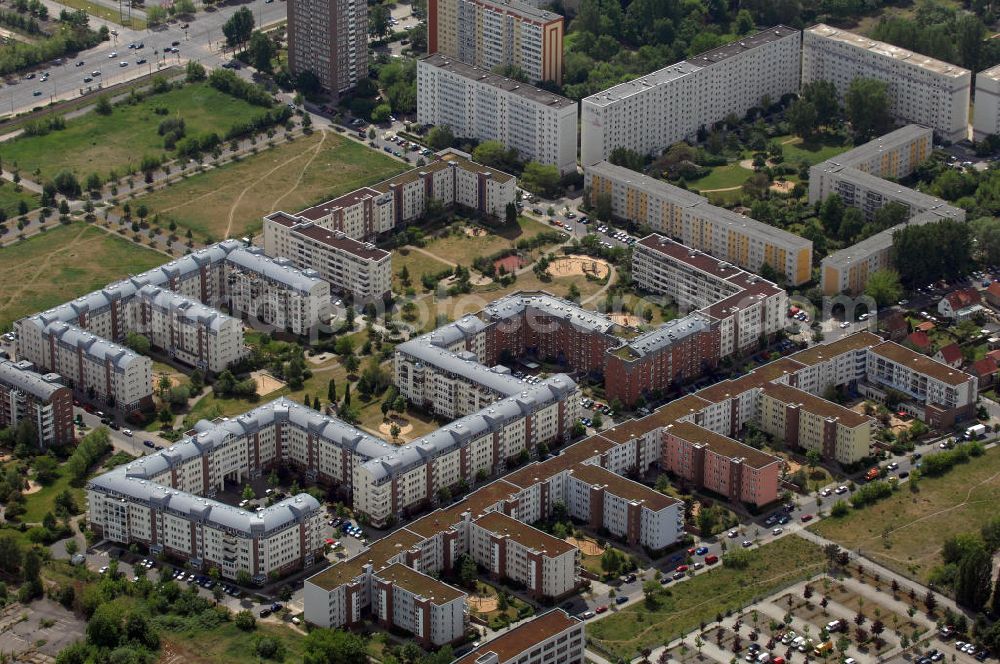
{"points": [[483, 604], [578, 266], [587, 547], [266, 383], [404, 428], [627, 320]]}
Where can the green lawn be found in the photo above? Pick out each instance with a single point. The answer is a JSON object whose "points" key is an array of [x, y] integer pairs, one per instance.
{"points": [[232, 200], [10, 198], [682, 607], [722, 177], [95, 143], [62, 263], [812, 152], [460, 247], [43, 501], [905, 531], [417, 264], [108, 14]]}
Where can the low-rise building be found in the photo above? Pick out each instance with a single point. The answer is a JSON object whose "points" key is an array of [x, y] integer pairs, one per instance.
{"points": [[476, 103], [960, 304], [552, 638], [41, 399]]}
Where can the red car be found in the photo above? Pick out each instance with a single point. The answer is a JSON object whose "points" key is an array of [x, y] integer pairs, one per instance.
{"points": [[691, 551], [329, 541], [682, 568], [806, 517], [711, 559], [600, 609]]}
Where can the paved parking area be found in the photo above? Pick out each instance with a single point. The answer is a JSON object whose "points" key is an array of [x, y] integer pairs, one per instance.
{"points": [[44, 628]]}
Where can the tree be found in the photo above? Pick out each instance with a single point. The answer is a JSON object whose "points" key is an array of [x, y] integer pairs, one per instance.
{"points": [[510, 215], [824, 98], [248, 492], [932, 251], [972, 584], [260, 50], [440, 137], [323, 646], [103, 106], [867, 104], [542, 179], [194, 72], [813, 458], [67, 184], [155, 15], [468, 572], [883, 286], [137, 342], [802, 117], [603, 206], [378, 21], [238, 28]]}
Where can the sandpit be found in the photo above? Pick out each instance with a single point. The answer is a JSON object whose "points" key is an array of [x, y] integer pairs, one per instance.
{"points": [[483, 604], [404, 428], [628, 320], [587, 547], [476, 231], [578, 266], [782, 187], [266, 383]]}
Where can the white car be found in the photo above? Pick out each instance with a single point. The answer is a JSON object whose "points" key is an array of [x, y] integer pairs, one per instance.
{"points": [[733, 534], [893, 466], [825, 492], [845, 325], [777, 531], [841, 490], [127, 432], [103, 570]]}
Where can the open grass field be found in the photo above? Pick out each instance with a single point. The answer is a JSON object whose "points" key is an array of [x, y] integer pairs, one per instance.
{"points": [[813, 152], [681, 608], [43, 501], [95, 143], [461, 247], [225, 643], [63, 263], [108, 14], [905, 532], [10, 198], [729, 176], [417, 264], [230, 201]]}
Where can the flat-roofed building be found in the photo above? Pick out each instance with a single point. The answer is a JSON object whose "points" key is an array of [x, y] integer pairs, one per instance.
{"points": [[920, 89], [986, 110], [857, 176], [691, 220], [433, 611], [272, 291], [652, 112], [509, 549], [720, 464], [352, 267], [629, 510], [476, 103], [330, 39], [498, 33], [551, 638], [809, 422], [41, 399]]}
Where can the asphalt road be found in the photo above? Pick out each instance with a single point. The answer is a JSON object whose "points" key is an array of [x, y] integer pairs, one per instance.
{"points": [[202, 41]]}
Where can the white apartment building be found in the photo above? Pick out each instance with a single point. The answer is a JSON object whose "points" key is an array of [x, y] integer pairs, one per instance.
{"points": [[206, 533], [88, 363], [628, 510], [654, 111], [476, 103], [189, 331], [552, 638], [272, 291], [498, 33], [364, 214], [741, 306], [920, 89], [986, 110], [510, 549], [42, 399], [354, 268], [691, 220], [429, 609], [857, 177]]}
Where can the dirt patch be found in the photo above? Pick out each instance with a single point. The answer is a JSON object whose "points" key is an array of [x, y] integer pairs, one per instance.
{"points": [[627, 320], [266, 383], [483, 604], [782, 187], [321, 358], [33, 487], [578, 266], [404, 428], [587, 547], [476, 231]]}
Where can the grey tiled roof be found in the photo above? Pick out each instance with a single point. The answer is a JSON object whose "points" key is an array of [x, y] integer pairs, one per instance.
{"points": [[21, 375]]}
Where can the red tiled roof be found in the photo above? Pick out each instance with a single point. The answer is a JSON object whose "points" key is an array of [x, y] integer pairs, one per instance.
{"points": [[994, 289], [926, 326], [964, 297], [951, 353], [984, 367], [919, 339]]}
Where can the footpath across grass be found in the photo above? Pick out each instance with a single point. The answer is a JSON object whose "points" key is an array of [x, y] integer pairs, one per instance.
{"points": [[905, 531], [62, 263], [684, 606], [232, 200], [95, 143]]}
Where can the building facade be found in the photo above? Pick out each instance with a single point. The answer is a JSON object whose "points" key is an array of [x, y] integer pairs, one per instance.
{"points": [[330, 39], [498, 33], [476, 103], [43, 400], [654, 111], [690, 219], [921, 90], [986, 110]]}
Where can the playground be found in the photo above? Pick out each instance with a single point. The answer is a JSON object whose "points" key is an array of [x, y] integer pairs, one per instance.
{"points": [[579, 266]]}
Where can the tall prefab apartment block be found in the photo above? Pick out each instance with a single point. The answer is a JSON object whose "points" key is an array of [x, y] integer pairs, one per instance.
{"points": [[492, 33], [329, 38]]}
